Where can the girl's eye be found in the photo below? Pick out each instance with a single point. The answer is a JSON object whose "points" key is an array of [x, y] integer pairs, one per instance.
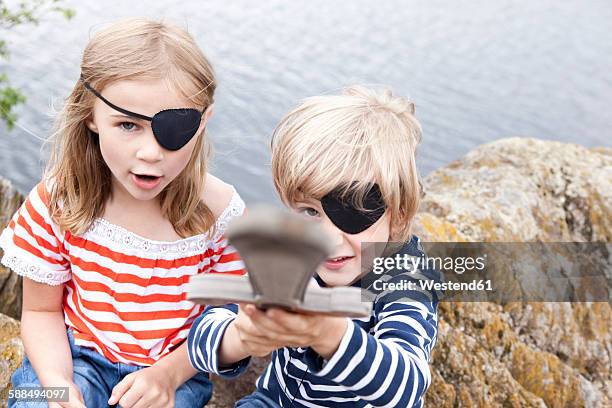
{"points": [[127, 126], [308, 212]]}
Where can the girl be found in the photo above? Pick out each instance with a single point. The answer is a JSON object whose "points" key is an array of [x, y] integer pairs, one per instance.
{"points": [[125, 214]]}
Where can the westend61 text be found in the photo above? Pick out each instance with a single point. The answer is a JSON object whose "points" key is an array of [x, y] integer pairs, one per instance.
{"points": [[432, 285]]}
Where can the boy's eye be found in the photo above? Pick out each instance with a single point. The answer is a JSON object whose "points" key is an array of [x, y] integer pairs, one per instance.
{"points": [[127, 126], [308, 212]]}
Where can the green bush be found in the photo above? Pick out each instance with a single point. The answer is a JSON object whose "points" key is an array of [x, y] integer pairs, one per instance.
{"points": [[23, 12]]}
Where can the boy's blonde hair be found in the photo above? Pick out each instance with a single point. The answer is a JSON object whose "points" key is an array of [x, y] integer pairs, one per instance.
{"points": [[129, 49], [349, 141]]}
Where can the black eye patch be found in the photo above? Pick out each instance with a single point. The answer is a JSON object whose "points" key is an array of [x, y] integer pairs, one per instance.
{"points": [[172, 128], [347, 217]]}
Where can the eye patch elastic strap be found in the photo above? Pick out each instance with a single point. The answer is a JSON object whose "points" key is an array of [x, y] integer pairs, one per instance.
{"points": [[172, 128]]}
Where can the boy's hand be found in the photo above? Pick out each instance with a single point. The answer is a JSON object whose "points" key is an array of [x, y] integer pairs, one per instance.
{"points": [[149, 387], [252, 339], [321, 332]]}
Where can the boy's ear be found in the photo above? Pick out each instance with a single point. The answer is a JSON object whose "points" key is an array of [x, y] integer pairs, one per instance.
{"points": [[394, 231], [91, 125], [208, 114]]}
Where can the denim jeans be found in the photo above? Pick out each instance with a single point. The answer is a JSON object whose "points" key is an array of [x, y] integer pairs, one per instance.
{"points": [[256, 400], [96, 376]]}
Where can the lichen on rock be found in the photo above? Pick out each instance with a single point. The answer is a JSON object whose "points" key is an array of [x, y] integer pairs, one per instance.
{"points": [[522, 190], [10, 283]]}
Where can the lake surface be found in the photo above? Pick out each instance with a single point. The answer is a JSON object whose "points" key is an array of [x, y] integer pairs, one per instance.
{"points": [[478, 71]]}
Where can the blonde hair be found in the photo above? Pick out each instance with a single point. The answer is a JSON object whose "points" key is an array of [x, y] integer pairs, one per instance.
{"points": [[81, 180], [349, 141]]}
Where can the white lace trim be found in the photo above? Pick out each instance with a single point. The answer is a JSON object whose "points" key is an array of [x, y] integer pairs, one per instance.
{"points": [[195, 244], [34, 272]]}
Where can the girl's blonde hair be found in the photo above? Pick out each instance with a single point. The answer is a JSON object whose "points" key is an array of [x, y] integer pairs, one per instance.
{"points": [[349, 141], [81, 180]]}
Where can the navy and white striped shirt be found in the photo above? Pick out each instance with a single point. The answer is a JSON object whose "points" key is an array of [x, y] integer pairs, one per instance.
{"points": [[382, 360]]}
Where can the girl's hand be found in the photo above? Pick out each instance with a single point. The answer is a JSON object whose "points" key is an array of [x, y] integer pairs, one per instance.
{"points": [[321, 332], [75, 398], [149, 387]]}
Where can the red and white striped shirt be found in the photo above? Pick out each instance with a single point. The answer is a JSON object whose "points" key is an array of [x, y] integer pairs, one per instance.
{"points": [[124, 295]]}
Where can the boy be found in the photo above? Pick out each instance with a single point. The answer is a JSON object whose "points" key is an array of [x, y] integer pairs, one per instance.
{"points": [[347, 162]]}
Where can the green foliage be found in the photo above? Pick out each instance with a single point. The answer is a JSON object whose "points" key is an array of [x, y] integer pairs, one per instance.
{"points": [[22, 12]]}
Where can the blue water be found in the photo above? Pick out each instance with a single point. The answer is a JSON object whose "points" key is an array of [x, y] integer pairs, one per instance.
{"points": [[478, 71]]}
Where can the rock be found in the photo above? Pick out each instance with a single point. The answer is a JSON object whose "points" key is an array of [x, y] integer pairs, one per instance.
{"points": [[226, 392], [477, 378], [11, 354], [11, 348], [517, 354], [10, 283], [522, 190], [522, 354]]}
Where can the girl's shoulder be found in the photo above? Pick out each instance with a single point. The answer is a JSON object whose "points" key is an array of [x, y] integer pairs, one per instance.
{"points": [[224, 202], [32, 243], [37, 201], [221, 198], [34, 212]]}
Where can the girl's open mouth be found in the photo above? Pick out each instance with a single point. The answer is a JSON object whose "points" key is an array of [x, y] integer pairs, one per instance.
{"points": [[146, 181]]}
